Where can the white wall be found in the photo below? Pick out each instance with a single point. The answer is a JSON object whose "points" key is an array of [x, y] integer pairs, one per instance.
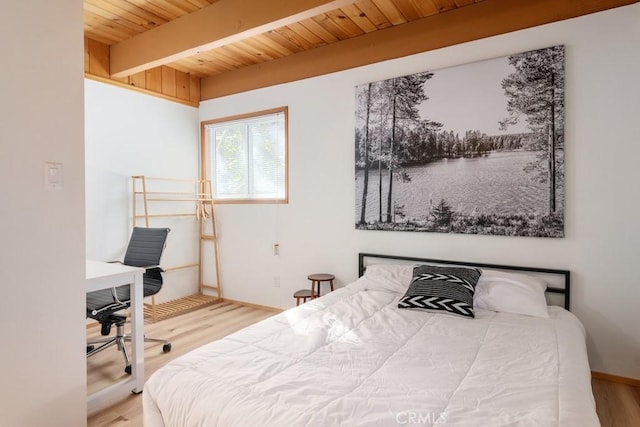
{"points": [[316, 229], [42, 260], [130, 133]]}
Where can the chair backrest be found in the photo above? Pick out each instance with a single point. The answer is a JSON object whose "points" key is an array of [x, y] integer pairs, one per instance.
{"points": [[146, 246]]}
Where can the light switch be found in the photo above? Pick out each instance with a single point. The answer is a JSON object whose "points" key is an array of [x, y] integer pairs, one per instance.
{"points": [[52, 175]]}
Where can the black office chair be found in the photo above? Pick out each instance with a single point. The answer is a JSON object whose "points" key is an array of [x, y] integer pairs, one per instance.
{"points": [[144, 250]]}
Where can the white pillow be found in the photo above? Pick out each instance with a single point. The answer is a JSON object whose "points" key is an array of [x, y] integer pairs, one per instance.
{"points": [[388, 277], [511, 293]]}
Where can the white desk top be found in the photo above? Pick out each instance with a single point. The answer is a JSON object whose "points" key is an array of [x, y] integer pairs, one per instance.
{"points": [[97, 269], [101, 275]]}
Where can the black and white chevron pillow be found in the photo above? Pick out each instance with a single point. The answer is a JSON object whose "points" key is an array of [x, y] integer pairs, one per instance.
{"points": [[442, 289]]}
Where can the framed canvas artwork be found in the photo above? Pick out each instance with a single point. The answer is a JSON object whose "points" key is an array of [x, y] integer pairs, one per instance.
{"points": [[476, 148]]}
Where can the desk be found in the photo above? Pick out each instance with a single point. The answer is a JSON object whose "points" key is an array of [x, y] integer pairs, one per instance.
{"points": [[103, 275]]}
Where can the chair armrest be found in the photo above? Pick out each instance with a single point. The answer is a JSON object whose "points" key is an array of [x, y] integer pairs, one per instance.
{"points": [[146, 267], [151, 267], [114, 294]]}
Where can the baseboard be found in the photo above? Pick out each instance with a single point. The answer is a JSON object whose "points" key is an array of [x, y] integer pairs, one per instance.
{"points": [[615, 378], [248, 304]]}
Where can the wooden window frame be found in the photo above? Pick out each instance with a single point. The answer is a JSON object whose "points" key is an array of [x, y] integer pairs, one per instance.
{"points": [[205, 169]]}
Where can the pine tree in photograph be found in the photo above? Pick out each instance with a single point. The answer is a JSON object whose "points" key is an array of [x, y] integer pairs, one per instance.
{"points": [[365, 156], [442, 214], [388, 109], [406, 94], [372, 139], [536, 89]]}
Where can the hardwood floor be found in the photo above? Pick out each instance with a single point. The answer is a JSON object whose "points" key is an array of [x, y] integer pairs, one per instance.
{"points": [[185, 333], [618, 405]]}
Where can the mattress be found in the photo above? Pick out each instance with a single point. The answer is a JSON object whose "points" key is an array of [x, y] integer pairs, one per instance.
{"points": [[353, 358]]}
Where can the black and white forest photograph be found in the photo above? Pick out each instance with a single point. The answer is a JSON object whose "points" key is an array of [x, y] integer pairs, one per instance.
{"points": [[476, 149]]}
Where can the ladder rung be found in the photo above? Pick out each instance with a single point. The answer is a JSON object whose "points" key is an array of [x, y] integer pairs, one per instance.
{"points": [[181, 267], [207, 237], [176, 193], [164, 215], [177, 200]]}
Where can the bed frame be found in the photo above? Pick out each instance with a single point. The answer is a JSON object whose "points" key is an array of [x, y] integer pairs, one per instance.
{"points": [[563, 287]]}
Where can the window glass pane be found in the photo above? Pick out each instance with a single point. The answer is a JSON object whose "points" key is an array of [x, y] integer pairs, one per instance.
{"points": [[230, 161], [267, 148]]}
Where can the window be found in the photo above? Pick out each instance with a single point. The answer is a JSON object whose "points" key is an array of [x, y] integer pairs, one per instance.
{"points": [[246, 157]]}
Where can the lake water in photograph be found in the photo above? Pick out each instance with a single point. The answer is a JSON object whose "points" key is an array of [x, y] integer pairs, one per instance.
{"points": [[495, 183]]}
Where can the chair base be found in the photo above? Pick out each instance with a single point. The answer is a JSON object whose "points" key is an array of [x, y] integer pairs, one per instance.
{"points": [[166, 345], [120, 341]]}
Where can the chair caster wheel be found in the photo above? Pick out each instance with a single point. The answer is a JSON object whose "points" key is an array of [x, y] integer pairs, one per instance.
{"points": [[166, 348], [90, 348], [127, 369]]}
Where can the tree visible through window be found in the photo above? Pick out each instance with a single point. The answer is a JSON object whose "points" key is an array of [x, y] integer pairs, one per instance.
{"points": [[247, 156]]}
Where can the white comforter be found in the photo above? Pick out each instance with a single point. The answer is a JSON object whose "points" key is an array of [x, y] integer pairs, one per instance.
{"points": [[353, 358]]}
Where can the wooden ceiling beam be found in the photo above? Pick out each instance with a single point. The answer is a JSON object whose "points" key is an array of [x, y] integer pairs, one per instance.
{"points": [[221, 23], [484, 19]]}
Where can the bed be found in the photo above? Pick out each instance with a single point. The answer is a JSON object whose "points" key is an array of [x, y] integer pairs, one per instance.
{"points": [[354, 357]]}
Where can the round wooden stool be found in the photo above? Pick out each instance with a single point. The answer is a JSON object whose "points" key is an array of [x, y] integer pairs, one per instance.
{"points": [[302, 294], [317, 279]]}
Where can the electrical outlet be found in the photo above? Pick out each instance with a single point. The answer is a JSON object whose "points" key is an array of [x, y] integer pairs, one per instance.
{"points": [[276, 281]]}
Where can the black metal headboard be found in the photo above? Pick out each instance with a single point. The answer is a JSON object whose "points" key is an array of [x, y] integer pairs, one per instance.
{"points": [[565, 290]]}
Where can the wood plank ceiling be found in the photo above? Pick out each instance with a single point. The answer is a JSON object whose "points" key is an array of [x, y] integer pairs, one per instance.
{"points": [[122, 24], [113, 21]]}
